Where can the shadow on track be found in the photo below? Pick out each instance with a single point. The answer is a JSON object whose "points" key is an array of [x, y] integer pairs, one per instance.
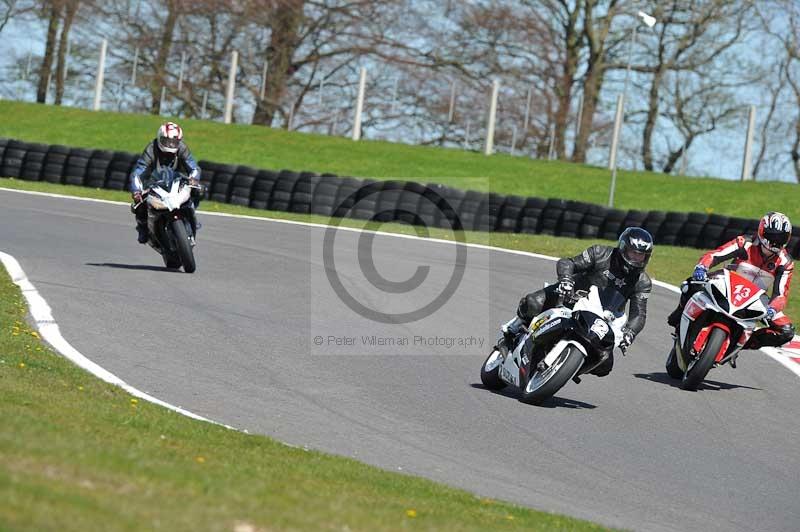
{"points": [[147, 267], [663, 378], [553, 402]]}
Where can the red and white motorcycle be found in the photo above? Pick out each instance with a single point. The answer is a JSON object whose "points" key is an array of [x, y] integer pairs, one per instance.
{"points": [[715, 325]]}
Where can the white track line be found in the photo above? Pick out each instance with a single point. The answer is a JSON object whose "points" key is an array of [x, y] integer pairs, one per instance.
{"points": [[49, 330]]}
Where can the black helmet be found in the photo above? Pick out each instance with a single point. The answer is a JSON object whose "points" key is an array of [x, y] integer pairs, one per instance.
{"points": [[635, 247]]}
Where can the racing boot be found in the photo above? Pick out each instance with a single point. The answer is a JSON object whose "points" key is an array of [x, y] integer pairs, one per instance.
{"points": [[674, 319], [512, 330], [143, 233]]}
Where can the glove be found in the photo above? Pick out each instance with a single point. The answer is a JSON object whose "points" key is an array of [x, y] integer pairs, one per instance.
{"points": [[137, 196], [193, 182], [627, 340], [700, 273], [565, 287], [771, 312]]}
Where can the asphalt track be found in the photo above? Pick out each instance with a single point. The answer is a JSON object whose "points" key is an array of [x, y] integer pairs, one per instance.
{"points": [[237, 342]]}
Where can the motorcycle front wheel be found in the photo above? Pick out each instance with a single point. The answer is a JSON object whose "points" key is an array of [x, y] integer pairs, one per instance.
{"points": [[673, 369], [490, 370], [697, 371], [183, 246], [544, 384]]}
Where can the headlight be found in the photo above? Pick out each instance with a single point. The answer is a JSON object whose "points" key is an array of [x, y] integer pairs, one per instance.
{"points": [[748, 314], [155, 202]]}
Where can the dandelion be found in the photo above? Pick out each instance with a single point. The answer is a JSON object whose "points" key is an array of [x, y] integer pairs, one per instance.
{"points": [[200, 459], [134, 402], [22, 364], [510, 517], [80, 388], [411, 513], [35, 334]]}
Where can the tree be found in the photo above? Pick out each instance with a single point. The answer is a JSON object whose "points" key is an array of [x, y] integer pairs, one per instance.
{"points": [[53, 11]]}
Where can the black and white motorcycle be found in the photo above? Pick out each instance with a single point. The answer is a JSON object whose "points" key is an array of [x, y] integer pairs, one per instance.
{"points": [[170, 218], [560, 344]]}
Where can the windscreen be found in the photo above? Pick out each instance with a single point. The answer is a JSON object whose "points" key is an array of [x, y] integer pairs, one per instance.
{"points": [[613, 300], [163, 177]]}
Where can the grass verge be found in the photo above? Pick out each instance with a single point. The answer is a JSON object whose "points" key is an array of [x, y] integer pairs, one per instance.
{"points": [[274, 149]]}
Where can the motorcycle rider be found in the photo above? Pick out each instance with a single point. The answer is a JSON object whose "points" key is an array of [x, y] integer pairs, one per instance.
{"points": [[622, 266], [761, 258], [166, 150]]}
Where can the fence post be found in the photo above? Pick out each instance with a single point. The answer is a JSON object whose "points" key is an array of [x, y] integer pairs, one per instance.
{"points": [[394, 96], [180, 72], [161, 101], [684, 159], [205, 102], [135, 66], [290, 119], [231, 87], [451, 113], [612, 159], [263, 88], [612, 156], [321, 89], [579, 117], [98, 86], [513, 140], [527, 110], [748, 145], [492, 115], [66, 62], [359, 104]]}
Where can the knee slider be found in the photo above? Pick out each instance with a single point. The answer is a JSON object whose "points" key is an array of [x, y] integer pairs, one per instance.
{"points": [[786, 332]]}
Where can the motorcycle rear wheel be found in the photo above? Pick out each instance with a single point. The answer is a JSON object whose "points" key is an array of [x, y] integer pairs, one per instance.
{"points": [[698, 371], [543, 385]]}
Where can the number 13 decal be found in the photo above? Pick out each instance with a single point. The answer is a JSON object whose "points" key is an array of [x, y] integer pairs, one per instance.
{"points": [[741, 293]]}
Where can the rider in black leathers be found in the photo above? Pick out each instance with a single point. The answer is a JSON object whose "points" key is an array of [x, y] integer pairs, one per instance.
{"points": [[166, 150], [621, 267]]}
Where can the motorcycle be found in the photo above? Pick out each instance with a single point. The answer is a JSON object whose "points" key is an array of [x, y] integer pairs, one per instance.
{"points": [[559, 344], [715, 325], [170, 218]]}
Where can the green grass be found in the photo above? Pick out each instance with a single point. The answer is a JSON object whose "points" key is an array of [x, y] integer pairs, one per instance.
{"points": [[276, 149], [79, 454]]}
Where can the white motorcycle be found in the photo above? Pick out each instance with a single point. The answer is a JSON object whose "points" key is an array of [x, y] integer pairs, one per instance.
{"points": [[560, 344], [170, 218], [716, 324]]}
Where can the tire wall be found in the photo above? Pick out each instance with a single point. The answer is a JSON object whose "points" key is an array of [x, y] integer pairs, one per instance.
{"points": [[431, 205]]}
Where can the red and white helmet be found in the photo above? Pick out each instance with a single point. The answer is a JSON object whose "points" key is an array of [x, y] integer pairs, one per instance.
{"points": [[169, 137], [774, 231]]}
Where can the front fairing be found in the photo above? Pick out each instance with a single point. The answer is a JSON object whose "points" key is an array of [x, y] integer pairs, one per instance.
{"points": [[168, 196]]}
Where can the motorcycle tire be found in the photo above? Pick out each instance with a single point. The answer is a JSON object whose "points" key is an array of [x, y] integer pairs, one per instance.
{"points": [[171, 261], [697, 372], [673, 369], [566, 366], [183, 246], [491, 377]]}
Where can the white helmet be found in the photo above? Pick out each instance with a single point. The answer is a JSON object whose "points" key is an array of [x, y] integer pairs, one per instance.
{"points": [[169, 137]]}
